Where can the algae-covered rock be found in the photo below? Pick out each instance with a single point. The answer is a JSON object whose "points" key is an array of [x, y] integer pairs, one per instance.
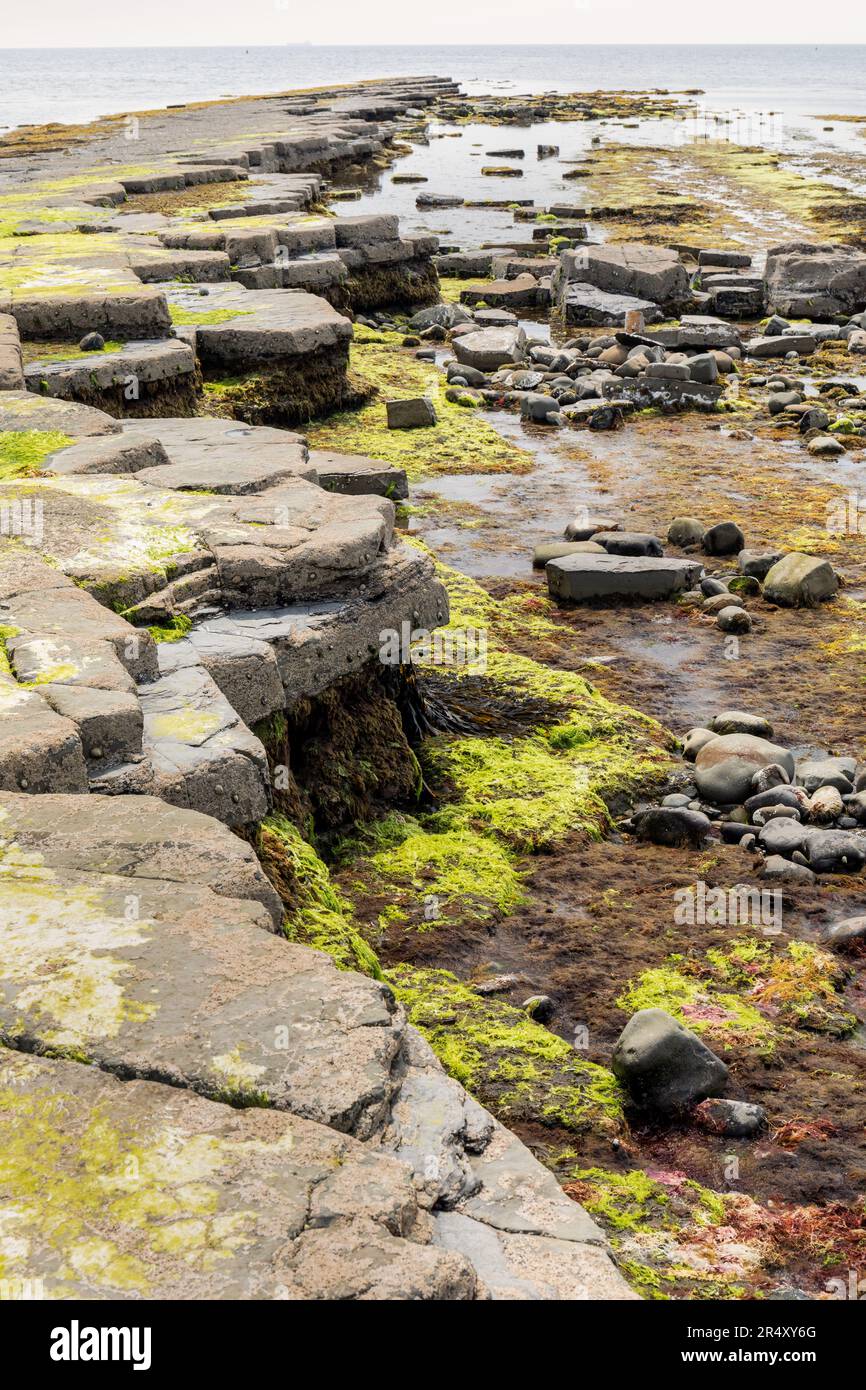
{"points": [[163, 1194], [514, 1065]]}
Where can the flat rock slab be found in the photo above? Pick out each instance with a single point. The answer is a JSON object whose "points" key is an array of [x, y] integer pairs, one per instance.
{"points": [[21, 410], [353, 475], [139, 837], [520, 292], [153, 550], [221, 456], [580, 578], [588, 305], [318, 641], [158, 978], [655, 273], [801, 343], [269, 325], [166, 1195], [699, 331]]}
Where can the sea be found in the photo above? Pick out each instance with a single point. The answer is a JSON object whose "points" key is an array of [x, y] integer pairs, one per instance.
{"points": [[788, 83]]}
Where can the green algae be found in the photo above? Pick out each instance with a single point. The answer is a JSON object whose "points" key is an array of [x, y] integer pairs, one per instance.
{"points": [[721, 1016], [58, 946], [22, 452], [69, 1180], [186, 317], [747, 995], [625, 1201], [498, 798], [451, 287], [797, 982], [460, 442], [189, 725], [429, 873], [512, 1064], [318, 913], [175, 631]]}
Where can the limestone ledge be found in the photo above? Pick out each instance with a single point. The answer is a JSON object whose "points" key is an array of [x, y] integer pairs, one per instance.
{"points": [[139, 938]]}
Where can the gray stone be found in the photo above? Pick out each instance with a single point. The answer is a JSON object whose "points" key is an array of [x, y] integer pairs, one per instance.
{"points": [[725, 766], [835, 851], [733, 619], [805, 280], [583, 303], [735, 721], [354, 475], [652, 273], [801, 343], [554, 550], [757, 564], [775, 867], [579, 578], [490, 348], [783, 836], [735, 1118], [800, 581], [628, 543], [418, 413], [695, 740], [725, 538], [672, 825], [851, 929], [685, 530], [663, 1065]]}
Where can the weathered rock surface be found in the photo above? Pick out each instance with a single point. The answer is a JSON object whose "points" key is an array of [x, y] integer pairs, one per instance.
{"points": [[153, 955], [652, 273], [805, 280], [800, 581], [172, 1196]]}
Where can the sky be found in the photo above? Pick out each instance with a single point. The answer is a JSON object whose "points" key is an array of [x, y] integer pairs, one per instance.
{"points": [[111, 23]]}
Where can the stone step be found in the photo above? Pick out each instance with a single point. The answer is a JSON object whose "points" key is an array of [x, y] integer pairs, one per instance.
{"points": [[142, 378], [353, 475]]}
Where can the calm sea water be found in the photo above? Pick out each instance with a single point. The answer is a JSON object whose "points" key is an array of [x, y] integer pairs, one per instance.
{"points": [[78, 84]]}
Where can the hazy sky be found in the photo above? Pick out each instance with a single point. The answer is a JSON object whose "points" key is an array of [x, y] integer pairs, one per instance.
{"points": [[88, 23]]}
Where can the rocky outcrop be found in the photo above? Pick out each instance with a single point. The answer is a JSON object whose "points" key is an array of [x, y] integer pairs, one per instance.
{"points": [[155, 959], [652, 273], [814, 281]]}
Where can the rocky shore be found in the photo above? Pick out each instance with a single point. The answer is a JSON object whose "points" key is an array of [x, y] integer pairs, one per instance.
{"points": [[365, 932]]}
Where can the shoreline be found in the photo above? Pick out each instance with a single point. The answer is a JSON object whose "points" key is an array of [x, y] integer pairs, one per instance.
{"points": [[414, 609]]}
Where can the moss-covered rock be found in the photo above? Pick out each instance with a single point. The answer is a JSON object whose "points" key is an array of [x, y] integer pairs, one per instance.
{"points": [[514, 1065]]}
